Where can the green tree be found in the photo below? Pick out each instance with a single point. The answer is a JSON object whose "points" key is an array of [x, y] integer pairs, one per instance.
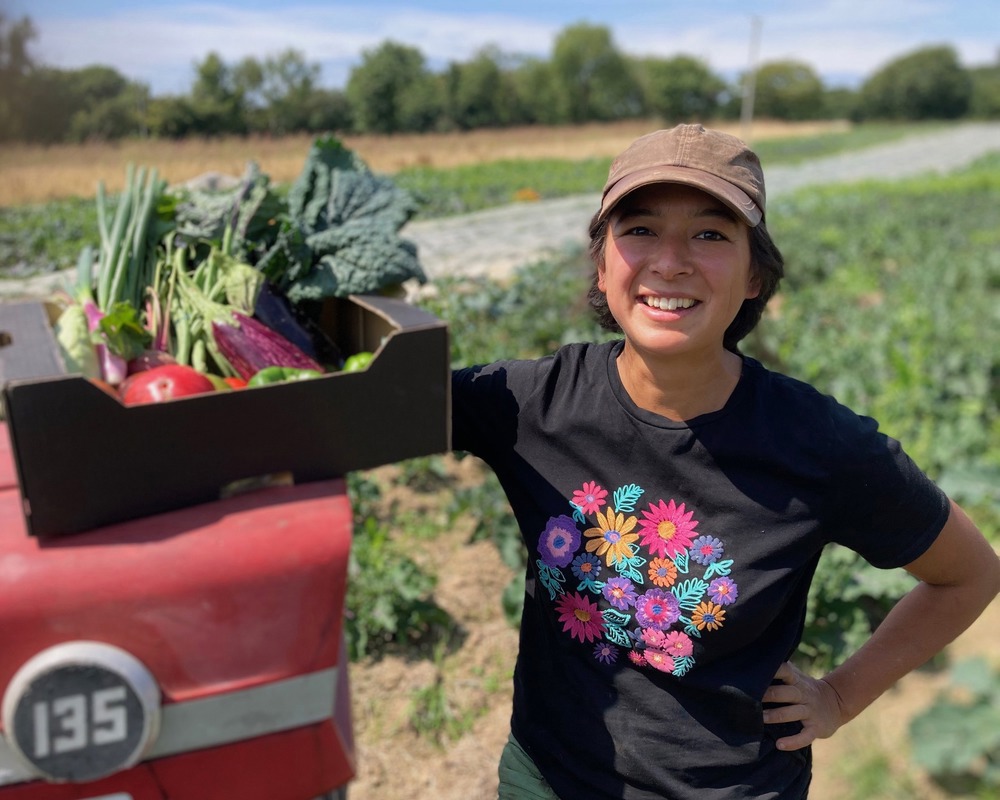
{"points": [[476, 92], [328, 110], [105, 104], [680, 88], [391, 90], [171, 117], [247, 80], [217, 103], [592, 78], [788, 90], [535, 95], [985, 99], [44, 114], [926, 84], [840, 103], [288, 86], [115, 117], [16, 66]]}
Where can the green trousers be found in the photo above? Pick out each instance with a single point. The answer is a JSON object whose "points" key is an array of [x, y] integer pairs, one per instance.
{"points": [[519, 778]]}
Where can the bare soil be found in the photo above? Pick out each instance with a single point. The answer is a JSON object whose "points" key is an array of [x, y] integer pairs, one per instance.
{"points": [[396, 762]]}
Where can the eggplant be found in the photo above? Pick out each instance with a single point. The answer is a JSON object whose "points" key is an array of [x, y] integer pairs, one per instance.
{"points": [[249, 346], [275, 312]]}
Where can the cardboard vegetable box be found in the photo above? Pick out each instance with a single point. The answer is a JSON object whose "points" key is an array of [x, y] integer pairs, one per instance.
{"points": [[84, 460]]}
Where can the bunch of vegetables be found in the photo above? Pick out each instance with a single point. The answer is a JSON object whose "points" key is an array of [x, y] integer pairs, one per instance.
{"points": [[194, 291]]}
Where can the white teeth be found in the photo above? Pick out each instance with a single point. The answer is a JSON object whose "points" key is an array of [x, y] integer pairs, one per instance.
{"points": [[669, 303]]}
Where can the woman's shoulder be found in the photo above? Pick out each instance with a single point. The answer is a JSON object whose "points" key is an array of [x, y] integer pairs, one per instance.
{"points": [[804, 409]]}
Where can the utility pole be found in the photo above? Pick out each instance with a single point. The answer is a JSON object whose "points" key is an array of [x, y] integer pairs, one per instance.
{"points": [[750, 80]]}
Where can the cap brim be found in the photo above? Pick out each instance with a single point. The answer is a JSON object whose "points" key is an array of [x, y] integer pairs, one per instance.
{"points": [[734, 197]]}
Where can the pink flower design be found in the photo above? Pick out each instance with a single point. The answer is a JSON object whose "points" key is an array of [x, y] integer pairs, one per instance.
{"points": [[590, 498], [678, 644], [666, 529], [637, 658], [658, 659], [580, 617], [652, 637]]}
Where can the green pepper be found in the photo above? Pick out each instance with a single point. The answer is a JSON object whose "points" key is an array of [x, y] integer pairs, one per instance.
{"points": [[269, 375], [358, 361]]}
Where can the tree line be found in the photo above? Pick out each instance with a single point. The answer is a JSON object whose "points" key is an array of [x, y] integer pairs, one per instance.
{"points": [[393, 90]]}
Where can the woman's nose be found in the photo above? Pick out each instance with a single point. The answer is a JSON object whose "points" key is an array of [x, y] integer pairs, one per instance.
{"points": [[671, 259]]}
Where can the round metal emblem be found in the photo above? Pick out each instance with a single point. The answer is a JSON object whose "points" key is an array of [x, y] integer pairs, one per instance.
{"points": [[81, 710]]}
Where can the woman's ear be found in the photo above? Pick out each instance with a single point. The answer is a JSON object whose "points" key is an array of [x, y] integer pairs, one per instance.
{"points": [[753, 283], [600, 277]]}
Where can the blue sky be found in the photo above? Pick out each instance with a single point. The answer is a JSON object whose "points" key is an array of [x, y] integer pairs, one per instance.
{"points": [[158, 43]]}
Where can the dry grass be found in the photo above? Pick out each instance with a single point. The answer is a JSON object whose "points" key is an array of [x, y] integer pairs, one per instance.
{"points": [[33, 173]]}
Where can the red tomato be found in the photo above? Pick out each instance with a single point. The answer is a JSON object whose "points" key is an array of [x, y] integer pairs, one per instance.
{"points": [[159, 384], [235, 383]]}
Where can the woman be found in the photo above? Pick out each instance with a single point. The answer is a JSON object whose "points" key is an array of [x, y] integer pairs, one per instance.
{"points": [[675, 496]]}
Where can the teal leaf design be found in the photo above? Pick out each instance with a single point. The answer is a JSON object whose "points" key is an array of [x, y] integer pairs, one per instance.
{"points": [[614, 616], [625, 497], [683, 665], [617, 635], [690, 592], [682, 562], [690, 628], [578, 513], [719, 568], [551, 578]]}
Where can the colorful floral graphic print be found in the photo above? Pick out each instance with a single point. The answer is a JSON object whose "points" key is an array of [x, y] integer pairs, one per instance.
{"points": [[647, 581]]}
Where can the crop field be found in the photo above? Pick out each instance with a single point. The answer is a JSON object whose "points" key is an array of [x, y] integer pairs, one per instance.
{"points": [[890, 303], [34, 174]]}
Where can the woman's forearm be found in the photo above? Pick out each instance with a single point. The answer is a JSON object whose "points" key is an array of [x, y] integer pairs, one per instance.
{"points": [[919, 626]]}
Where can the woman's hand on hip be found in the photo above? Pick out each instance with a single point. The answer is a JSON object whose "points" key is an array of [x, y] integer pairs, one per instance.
{"points": [[811, 701]]}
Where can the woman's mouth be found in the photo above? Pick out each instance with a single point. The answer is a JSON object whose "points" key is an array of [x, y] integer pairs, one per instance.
{"points": [[668, 303]]}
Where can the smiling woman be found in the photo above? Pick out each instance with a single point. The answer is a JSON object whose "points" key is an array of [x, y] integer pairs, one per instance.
{"points": [[674, 496]]}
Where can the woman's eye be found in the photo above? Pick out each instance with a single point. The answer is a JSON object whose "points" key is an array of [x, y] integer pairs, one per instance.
{"points": [[712, 236], [639, 230]]}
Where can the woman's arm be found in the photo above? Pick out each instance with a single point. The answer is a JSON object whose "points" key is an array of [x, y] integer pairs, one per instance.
{"points": [[959, 576]]}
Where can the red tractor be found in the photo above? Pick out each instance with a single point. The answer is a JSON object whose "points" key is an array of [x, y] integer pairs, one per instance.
{"points": [[195, 651]]}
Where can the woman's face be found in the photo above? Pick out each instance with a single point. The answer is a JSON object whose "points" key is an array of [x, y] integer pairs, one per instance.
{"points": [[676, 270]]}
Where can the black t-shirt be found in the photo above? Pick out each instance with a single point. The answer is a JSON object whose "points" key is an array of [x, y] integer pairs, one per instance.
{"points": [[669, 564]]}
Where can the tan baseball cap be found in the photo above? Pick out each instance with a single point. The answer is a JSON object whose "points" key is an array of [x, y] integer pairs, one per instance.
{"points": [[693, 155]]}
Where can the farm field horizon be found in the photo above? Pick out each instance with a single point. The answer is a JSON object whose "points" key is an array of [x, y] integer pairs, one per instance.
{"points": [[37, 174]]}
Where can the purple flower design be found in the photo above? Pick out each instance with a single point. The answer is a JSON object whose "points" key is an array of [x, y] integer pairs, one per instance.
{"points": [[605, 652], [706, 550], [620, 593], [559, 541], [723, 591], [657, 608]]}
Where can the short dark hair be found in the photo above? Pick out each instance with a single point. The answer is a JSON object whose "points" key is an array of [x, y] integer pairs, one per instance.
{"points": [[767, 265]]}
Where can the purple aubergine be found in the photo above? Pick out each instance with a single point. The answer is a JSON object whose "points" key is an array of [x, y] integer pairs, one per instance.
{"points": [[274, 311], [249, 346]]}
